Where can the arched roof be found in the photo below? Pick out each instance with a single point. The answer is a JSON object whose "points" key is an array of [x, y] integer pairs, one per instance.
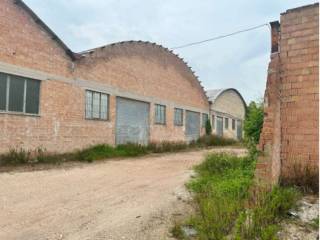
{"points": [[144, 49], [214, 94]]}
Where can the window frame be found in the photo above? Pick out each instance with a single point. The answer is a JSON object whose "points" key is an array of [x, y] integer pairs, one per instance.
{"points": [[226, 123], [25, 80], [160, 106], [100, 103], [174, 117]]}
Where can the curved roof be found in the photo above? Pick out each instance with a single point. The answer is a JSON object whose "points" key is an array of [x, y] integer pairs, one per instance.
{"points": [[78, 56], [214, 94], [143, 49]]}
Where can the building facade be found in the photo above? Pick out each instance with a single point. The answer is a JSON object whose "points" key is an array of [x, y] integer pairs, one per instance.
{"points": [[58, 100], [290, 135], [227, 112]]}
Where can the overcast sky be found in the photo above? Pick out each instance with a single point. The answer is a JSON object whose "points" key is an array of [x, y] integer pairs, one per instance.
{"points": [[239, 61]]}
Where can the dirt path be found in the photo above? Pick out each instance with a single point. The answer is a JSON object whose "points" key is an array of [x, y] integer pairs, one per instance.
{"points": [[127, 199]]}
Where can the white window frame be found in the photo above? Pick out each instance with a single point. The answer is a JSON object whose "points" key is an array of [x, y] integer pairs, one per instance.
{"points": [[100, 117]]}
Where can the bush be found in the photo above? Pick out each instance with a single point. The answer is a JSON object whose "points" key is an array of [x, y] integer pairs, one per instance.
{"points": [[214, 140], [253, 122], [167, 146], [208, 127]]}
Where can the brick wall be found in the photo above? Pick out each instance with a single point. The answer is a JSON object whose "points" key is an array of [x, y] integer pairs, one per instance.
{"points": [[137, 70], [290, 130], [299, 56]]}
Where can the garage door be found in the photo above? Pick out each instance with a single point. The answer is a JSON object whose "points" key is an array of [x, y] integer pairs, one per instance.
{"points": [[220, 126], [132, 124], [192, 125]]}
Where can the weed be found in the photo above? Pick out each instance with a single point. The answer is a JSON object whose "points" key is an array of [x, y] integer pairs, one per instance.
{"points": [[220, 190], [260, 220], [303, 176], [177, 232]]}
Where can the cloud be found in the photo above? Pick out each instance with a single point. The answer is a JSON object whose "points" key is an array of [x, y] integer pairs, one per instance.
{"points": [[240, 61]]}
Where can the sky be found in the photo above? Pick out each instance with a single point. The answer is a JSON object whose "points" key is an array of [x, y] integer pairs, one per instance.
{"points": [[239, 61]]}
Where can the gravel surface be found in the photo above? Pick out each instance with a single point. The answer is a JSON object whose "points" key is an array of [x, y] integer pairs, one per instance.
{"points": [[124, 199]]}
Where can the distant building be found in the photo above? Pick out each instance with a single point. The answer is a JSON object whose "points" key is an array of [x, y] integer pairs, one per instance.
{"points": [[227, 110]]}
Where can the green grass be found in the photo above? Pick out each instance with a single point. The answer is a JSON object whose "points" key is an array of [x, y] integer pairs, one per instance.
{"points": [[221, 189], [104, 151], [229, 204]]}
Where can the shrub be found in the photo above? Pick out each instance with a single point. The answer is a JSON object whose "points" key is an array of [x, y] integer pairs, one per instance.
{"points": [[208, 127], [214, 140], [253, 122], [167, 146]]}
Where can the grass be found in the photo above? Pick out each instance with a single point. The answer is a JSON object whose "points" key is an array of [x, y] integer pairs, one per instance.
{"points": [[103, 151], [221, 189], [303, 176], [230, 206]]}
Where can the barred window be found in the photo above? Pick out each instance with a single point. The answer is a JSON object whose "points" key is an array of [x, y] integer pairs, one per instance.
{"points": [[205, 118], [226, 123], [97, 105], [19, 94], [160, 114], [178, 116]]}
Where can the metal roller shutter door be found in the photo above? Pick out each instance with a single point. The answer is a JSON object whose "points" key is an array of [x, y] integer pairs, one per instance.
{"points": [[132, 121], [192, 125]]}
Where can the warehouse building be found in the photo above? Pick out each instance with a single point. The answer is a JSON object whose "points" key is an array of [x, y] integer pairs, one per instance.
{"points": [[227, 111], [53, 98]]}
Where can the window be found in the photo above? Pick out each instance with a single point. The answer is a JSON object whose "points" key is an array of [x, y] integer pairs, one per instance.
{"points": [[178, 116], [19, 94], [226, 123], [213, 121], [205, 118], [233, 124], [97, 105], [160, 114]]}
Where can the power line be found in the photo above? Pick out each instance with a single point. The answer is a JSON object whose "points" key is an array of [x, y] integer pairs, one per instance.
{"points": [[220, 37]]}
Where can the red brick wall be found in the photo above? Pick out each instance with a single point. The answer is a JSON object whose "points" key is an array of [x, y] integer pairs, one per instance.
{"points": [[299, 56], [139, 69], [290, 130]]}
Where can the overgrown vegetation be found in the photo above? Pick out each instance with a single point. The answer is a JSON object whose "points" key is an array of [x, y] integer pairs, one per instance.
{"points": [[221, 189], [253, 122], [103, 151], [303, 176], [229, 204]]}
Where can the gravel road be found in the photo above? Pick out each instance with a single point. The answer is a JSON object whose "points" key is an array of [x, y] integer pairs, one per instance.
{"points": [[124, 199]]}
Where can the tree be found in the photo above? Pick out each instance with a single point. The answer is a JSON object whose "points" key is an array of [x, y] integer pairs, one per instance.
{"points": [[208, 127], [253, 122]]}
